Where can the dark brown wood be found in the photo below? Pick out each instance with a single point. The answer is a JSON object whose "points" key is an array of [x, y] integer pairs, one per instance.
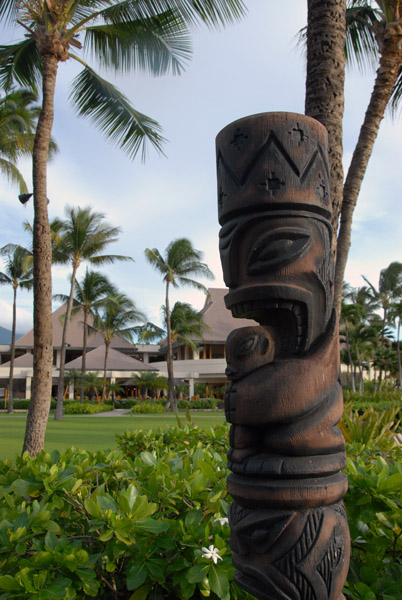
{"points": [[289, 533]]}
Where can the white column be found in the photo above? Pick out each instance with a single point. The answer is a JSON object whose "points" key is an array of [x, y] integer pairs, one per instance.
{"points": [[191, 387], [28, 381]]}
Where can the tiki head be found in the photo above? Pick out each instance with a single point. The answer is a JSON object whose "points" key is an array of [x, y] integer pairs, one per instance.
{"points": [[275, 241]]}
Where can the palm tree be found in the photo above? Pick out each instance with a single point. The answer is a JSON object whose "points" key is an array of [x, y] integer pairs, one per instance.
{"points": [[17, 126], [117, 317], [325, 79], [372, 37], [91, 383], [389, 290], [18, 274], [395, 315], [149, 380], [90, 295], [151, 35], [185, 324], [180, 262], [83, 236]]}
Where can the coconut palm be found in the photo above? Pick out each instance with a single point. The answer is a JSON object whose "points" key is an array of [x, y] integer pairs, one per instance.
{"points": [[185, 323], [373, 30], [180, 262], [17, 126], [117, 317], [150, 35], [389, 290], [395, 315], [18, 274], [90, 293], [149, 380], [83, 236], [325, 79]]}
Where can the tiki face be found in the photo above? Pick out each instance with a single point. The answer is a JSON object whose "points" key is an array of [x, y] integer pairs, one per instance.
{"points": [[279, 269], [289, 533]]}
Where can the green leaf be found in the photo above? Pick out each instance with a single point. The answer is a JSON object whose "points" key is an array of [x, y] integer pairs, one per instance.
{"points": [[9, 584], [219, 583], [392, 483], [51, 541], [136, 576], [153, 526], [195, 574], [206, 469], [106, 535], [142, 592], [24, 488], [148, 459]]}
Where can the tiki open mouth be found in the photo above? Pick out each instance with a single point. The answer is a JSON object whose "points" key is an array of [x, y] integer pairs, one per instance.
{"points": [[292, 331]]}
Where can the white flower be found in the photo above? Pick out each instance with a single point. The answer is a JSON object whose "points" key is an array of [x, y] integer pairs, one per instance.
{"points": [[222, 520], [212, 553]]}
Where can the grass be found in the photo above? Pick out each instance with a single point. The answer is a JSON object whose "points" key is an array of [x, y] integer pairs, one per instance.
{"points": [[90, 433]]}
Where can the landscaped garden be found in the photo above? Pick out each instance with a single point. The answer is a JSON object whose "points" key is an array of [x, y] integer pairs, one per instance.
{"points": [[148, 518]]}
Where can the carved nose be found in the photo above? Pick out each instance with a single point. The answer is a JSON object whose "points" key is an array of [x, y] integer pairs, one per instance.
{"points": [[231, 371]]}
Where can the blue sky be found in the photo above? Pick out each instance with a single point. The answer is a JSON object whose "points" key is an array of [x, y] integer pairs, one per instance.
{"points": [[251, 67]]}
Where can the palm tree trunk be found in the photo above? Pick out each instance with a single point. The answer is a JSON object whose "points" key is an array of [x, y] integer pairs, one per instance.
{"points": [[325, 79], [171, 394], [107, 344], [10, 407], [58, 415], [387, 74], [352, 376], [84, 352], [42, 264]]}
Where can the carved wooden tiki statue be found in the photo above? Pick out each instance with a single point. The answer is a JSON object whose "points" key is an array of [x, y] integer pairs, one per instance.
{"points": [[289, 533]]}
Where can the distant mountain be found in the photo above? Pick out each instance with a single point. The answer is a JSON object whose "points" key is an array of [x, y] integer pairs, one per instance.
{"points": [[5, 335]]}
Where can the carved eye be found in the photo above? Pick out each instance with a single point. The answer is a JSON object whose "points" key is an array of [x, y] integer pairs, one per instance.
{"points": [[246, 347], [277, 249]]}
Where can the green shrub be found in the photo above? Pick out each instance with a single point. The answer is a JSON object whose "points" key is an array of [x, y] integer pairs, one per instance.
{"points": [[23, 403], [134, 521], [173, 438], [148, 408], [86, 408], [98, 524], [201, 403], [126, 402]]}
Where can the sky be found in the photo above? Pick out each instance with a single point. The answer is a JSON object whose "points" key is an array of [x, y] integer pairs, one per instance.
{"points": [[247, 68]]}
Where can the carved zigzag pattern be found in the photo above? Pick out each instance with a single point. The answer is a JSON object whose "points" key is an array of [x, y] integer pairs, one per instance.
{"points": [[288, 563], [274, 141]]}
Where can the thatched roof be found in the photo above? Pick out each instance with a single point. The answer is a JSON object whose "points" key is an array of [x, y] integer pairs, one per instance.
{"points": [[74, 333], [117, 361]]}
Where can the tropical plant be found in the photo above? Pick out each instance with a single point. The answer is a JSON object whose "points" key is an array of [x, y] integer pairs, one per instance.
{"points": [[149, 380], [113, 388], [89, 295], [18, 274], [117, 317], [325, 35], [17, 126], [373, 34], [144, 34], [83, 236], [92, 384], [180, 262], [389, 289]]}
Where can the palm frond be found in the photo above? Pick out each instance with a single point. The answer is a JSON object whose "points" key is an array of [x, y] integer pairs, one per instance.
{"points": [[22, 63], [157, 44], [212, 13], [396, 94], [8, 10], [108, 259], [13, 174], [110, 110], [362, 23]]}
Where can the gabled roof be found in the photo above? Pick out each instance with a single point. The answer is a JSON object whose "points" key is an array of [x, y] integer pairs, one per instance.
{"points": [[117, 361], [74, 333], [218, 318], [25, 360]]}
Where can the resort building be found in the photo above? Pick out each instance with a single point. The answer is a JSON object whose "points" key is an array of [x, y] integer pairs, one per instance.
{"points": [[206, 365]]}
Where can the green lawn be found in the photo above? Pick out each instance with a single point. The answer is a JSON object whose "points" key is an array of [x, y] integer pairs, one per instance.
{"points": [[90, 433]]}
